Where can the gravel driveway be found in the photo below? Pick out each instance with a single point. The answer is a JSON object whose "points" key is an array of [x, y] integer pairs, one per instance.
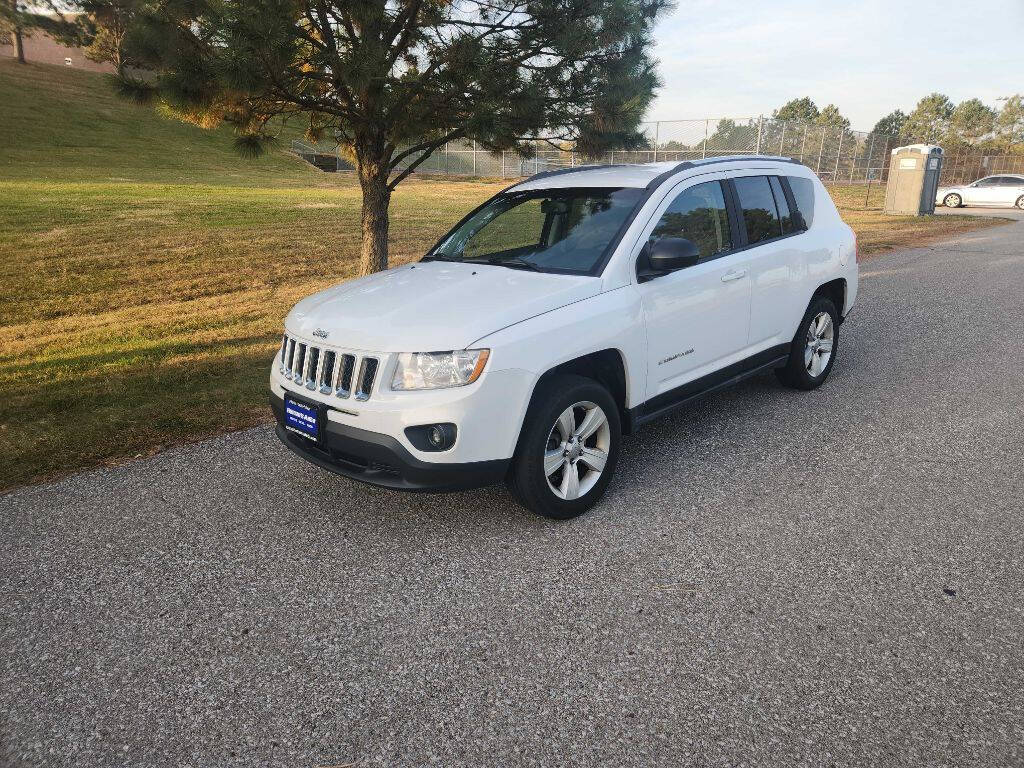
{"points": [[774, 578]]}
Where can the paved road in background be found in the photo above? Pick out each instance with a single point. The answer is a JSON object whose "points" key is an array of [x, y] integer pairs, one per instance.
{"points": [[774, 578]]}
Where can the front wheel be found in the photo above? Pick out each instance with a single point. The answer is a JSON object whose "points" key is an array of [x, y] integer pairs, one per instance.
{"points": [[568, 449], [1020, 202], [952, 201], [814, 348]]}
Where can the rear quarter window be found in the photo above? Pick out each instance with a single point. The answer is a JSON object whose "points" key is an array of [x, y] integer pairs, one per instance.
{"points": [[803, 196], [757, 204]]}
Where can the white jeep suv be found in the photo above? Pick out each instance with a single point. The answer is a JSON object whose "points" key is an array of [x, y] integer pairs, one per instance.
{"points": [[561, 314]]}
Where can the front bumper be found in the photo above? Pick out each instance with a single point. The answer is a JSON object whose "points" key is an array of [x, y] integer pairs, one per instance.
{"points": [[378, 459]]}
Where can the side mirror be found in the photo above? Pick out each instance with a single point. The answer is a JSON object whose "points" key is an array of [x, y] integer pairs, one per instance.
{"points": [[666, 255]]}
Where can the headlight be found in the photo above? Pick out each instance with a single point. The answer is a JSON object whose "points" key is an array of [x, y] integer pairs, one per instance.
{"points": [[438, 370]]}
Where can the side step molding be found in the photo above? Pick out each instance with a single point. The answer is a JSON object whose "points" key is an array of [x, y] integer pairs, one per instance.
{"points": [[776, 357]]}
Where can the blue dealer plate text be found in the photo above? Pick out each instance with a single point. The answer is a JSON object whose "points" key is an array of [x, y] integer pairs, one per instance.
{"points": [[301, 418]]}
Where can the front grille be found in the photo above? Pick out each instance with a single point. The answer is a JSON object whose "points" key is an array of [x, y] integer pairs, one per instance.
{"points": [[328, 371]]}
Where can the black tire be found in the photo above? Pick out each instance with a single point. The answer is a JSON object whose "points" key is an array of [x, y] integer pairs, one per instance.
{"points": [[527, 480], [795, 373], [952, 200], [1020, 202]]}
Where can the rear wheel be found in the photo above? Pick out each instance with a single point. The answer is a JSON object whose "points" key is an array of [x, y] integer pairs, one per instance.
{"points": [[569, 448], [1020, 202], [952, 201], [814, 347]]}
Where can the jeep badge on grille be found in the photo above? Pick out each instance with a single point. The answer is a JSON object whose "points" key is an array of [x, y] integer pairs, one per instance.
{"points": [[320, 333]]}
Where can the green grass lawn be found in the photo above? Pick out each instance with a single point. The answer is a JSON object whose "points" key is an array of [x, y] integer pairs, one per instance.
{"points": [[145, 269]]}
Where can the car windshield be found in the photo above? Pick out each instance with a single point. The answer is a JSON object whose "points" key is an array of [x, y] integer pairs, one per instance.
{"points": [[557, 230]]}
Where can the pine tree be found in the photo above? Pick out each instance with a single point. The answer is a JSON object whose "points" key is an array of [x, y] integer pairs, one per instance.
{"points": [[930, 119], [831, 117], [111, 23], [395, 81], [1010, 123], [797, 109], [892, 124], [970, 122]]}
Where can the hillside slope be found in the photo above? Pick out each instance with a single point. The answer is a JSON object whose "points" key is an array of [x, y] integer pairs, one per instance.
{"points": [[64, 123]]}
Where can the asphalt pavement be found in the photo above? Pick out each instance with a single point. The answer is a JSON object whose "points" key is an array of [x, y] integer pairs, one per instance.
{"points": [[775, 578]]}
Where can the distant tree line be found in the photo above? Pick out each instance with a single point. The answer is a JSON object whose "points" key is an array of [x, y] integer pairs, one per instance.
{"points": [[935, 120], [969, 124]]}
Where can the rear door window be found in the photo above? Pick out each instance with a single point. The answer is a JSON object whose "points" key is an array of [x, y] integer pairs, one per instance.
{"points": [[803, 195], [699, 215], [760, 216], [785, 217]]}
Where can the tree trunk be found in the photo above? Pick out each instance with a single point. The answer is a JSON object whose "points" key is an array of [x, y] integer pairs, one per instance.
{"points": [[19, 43], [373, 178]]}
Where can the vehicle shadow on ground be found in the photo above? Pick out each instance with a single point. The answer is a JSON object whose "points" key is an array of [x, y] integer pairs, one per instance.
{"points": [[687, 451]]}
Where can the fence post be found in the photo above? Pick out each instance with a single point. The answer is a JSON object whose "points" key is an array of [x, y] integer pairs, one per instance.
{"points": [[474, 157], [572, 157], [867, 165], [839, 155], [803, 142], [657, 128], [853, 165], [782, 140], [760, 126], [821, 151], [503, 163], [446, 157], [704, 153]]}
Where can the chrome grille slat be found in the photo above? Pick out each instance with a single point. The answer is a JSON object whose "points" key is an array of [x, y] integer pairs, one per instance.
{"points": [[367, 373], [299, 363], [325, 378], [328, 371], [313, 366], [345, 375], [288, 359]]}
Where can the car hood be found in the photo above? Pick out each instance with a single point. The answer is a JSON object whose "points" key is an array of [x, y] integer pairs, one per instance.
{"points": [[432, 306]]}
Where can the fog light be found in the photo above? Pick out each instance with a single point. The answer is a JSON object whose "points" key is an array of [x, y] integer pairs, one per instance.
{"points": [[432, 437], [436, 436]]}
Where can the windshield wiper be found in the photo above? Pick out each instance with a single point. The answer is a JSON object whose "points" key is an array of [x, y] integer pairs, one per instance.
{"points": [[514, 263], [441, 257]]}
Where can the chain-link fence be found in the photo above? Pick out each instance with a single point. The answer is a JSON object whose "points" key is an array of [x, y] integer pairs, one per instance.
{"points": [[837, 154], [961, 167]]}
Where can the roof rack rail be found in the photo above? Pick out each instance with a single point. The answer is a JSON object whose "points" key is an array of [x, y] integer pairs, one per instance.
{"points": [[571, 169], [680, 166]]}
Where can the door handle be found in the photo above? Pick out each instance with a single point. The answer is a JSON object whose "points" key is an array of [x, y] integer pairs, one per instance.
{"points": [[735, 274]]}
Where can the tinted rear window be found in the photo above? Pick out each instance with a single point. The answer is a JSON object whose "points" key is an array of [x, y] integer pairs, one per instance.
{"points": [[803, 194], [758, 205], [782, 204]]}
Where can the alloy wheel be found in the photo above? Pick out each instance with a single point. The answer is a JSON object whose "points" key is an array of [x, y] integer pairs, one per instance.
{"points": [[952, 201], [577, 450], [820, 338]]}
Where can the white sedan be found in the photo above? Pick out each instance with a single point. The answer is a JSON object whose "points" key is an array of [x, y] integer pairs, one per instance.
{"points": [[1003, 191]]}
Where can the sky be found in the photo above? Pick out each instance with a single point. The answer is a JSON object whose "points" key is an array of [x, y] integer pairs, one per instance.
{"points": [[869, 57]]}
